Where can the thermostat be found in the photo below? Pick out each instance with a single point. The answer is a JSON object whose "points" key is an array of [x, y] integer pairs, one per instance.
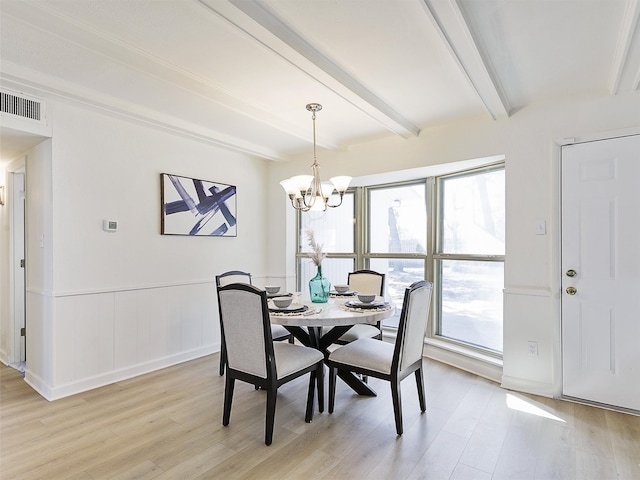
{"points": [[110, 225]]}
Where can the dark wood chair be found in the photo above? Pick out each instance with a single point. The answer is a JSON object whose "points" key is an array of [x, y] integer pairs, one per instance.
{"points": [[364, 281], [387, 361], [278, 332], [253, 356]]}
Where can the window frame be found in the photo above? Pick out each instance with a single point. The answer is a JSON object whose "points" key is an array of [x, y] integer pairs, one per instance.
{"points": [[432, 257], [439, 256], [300, 255]]}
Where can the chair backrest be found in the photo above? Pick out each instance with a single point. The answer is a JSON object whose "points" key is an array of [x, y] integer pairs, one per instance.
{"points": [[246, 328], [413, 324], [233, 276], [366, 281]]}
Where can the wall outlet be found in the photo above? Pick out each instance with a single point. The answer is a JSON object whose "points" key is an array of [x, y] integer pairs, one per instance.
{"points": [[533, 349]]}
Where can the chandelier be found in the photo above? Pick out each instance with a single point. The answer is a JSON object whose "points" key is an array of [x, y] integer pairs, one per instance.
{"points": [[307, 192]]}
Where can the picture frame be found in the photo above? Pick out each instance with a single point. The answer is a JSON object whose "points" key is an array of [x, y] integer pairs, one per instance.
{"points": [[196, 207]]}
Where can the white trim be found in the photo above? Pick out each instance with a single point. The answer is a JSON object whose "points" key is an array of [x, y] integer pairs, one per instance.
{"points": [[85, 384], [474, 362], [420, 173], [96, 291], [528, 386], [4, 358], [595, 137], [462, 358]]}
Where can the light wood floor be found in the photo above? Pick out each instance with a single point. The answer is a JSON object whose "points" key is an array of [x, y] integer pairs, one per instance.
{"points": [[167, 425]]}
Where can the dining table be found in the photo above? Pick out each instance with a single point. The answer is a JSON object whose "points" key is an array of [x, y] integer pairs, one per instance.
{"points": [[319, 325]]}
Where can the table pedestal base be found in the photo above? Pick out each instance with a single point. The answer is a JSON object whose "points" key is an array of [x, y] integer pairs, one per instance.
{"points": [[313, 337]]}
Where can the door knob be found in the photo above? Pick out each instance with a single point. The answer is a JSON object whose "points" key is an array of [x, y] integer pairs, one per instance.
{"points": [[571, 273], [571, 290]]}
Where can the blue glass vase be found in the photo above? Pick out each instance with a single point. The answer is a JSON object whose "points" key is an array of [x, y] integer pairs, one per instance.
{"points": [[319, 287]]}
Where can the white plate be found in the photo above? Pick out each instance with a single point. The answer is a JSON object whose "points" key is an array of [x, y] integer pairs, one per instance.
{"points": [[359, 304], [294, 307]]}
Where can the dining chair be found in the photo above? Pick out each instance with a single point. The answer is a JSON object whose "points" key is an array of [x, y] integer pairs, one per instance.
{"points": [[387, 361], [278, 332], [364, 281], [253, 356]]}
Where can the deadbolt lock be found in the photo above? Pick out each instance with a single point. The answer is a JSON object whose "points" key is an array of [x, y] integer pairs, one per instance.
{"points": [[571, 273], [571, 290]]}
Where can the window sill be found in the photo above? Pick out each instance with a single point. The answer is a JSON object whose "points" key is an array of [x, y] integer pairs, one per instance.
{"points": [[466, 359]]}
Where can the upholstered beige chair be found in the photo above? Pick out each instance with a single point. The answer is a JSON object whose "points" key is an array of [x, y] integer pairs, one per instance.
{"points": [[253, 356], [364, 281], [391, 362], [278, 332]]}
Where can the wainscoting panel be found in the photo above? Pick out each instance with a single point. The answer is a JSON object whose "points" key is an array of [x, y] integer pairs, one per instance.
{"points": [[102, 337], [531, 315]]}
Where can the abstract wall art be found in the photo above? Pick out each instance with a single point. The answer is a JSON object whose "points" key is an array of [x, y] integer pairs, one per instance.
{"points": [[197, 207]]}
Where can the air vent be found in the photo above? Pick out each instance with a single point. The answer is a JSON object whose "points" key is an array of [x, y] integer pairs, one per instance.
{"points": [[21, 106]]}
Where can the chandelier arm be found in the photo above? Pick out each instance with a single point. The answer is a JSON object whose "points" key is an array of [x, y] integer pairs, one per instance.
{"points": [[336, 205], [298, 204]]}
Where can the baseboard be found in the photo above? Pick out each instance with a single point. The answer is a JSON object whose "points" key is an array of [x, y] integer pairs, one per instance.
{"points": [[528, 386], [85, 384], [4, 357], [35, 382]]}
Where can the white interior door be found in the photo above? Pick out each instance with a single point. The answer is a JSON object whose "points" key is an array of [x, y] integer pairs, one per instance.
{"points": [[601, 271], [18, 255]]}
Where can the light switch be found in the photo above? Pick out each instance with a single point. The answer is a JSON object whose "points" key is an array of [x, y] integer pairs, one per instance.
{"points": [[110, 225], [541, 227]]}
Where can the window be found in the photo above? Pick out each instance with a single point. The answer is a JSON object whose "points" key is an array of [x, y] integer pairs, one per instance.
{"points": [[334, 229], [457, 241], [397, 238], [469, 258]]}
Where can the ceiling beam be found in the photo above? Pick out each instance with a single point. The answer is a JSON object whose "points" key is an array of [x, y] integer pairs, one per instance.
{"points": [[257, 21], [450, 23], [621, 59]]}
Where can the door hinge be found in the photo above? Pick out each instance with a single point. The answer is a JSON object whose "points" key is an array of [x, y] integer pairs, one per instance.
{"points": [[23, 332], [22, 263]]}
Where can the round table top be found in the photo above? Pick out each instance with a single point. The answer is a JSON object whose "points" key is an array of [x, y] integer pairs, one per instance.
{"points": [[330, 314]]}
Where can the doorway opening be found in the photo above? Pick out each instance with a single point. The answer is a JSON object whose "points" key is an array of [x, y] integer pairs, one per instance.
{"points": [[17, 268]]}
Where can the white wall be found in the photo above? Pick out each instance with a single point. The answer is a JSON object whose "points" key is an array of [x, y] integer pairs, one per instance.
{"points": [[530, 141], [106, 306]]}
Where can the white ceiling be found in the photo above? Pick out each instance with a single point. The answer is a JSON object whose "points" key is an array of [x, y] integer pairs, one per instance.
{"points": [[238, 73]]}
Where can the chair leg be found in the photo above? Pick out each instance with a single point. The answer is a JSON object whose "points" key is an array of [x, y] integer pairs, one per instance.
{"points": [[228, 397], [420, 385], [223, 358], [320, 381], [272, 392], [308, 417], [333, 373], [397, 404]]}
